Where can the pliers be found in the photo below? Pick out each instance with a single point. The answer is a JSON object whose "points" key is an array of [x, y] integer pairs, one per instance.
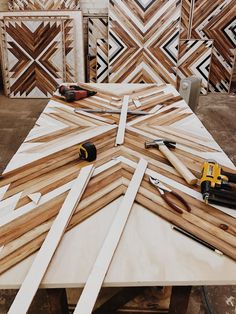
{"points": [[166, 192]]}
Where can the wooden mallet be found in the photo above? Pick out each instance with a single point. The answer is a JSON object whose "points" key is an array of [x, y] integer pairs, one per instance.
{"points": [[163, 146]]}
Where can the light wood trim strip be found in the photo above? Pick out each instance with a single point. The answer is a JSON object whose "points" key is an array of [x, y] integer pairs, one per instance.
{"points": [[93, 285], [38, 269], [122, 123]]}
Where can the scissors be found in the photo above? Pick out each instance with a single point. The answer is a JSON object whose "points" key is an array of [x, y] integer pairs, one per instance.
{"points": [[165, 194]]}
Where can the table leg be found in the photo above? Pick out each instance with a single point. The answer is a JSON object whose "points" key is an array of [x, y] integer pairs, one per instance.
{"points": [[119, 300], [57, 300], [179, 299]]}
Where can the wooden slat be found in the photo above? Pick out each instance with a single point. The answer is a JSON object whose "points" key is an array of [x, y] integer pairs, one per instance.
{"points": [[38, 269], [122, 123], [101, 265]]}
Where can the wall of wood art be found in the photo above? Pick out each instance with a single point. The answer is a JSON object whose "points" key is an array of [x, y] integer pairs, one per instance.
{"points": [[149, 41]]}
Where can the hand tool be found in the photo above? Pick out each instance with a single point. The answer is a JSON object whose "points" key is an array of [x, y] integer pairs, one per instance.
{"points": [[163, 146], [87, 151], [193, 237], [166, 192], [113, 111], [215, 185], [74, 92]]}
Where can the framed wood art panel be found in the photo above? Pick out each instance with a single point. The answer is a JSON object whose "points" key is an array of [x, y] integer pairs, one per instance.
{"points": [[40, 51]]}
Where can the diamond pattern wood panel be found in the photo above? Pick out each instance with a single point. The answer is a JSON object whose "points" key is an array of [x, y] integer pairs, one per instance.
{"points": [[217, 20], [43, 5], [40, 52], [34, 56], [195, 60], [143, 40]]}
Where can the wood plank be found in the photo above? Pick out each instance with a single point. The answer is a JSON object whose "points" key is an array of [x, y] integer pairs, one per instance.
{"points": [[33, 278], [93, 285], [122, 123]]}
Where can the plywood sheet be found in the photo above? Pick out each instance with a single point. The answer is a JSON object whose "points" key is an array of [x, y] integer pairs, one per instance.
{"points": [[48, 162], [143, 41], [43, 5]]}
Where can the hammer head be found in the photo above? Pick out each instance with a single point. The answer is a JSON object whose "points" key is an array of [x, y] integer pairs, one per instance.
{"points": [[156, 143]]}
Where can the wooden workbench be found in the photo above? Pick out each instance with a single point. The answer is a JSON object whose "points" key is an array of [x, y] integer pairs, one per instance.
{"points": [[150, 253]]}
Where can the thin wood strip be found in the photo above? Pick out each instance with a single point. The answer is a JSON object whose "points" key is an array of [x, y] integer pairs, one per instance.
{"points": [[93, 285], [21, 223], [32, 240], [47, 163], [196, 220], [177, 220], [37, 270], [122, 123], [199, 208]]}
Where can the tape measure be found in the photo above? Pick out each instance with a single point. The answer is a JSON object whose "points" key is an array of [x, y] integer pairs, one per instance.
{"points": [[88, 151]]}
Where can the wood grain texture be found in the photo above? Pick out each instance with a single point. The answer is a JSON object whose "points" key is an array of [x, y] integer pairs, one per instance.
{"points": [[216, 20], [47, 163], [143, 41], [186, 18], [195, 60], [15, 5]]}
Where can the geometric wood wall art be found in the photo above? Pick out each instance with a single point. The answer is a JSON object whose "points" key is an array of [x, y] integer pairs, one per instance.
{"points": [[143, 40], [47, 163], [39, 52], [43, 5], [97, 29], [217, 20], [102, 61], [34, 56], [195, 60]]}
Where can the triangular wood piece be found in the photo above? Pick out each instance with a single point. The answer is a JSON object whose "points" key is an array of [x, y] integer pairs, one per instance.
{"points": [[35, 197]]}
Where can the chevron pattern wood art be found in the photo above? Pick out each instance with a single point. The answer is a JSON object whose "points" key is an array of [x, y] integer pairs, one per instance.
{"points": [[143, 40], [195, 60], [102, 61], [43, 5], [217, 21], [97, 29], [47, 164], [39, 52]]}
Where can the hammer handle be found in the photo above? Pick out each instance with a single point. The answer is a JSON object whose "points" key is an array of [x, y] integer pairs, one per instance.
{"points": [[179, 166]]}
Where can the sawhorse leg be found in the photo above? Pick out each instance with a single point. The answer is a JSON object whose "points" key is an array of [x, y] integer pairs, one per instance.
{"points": [[57, 300], [179, 299]]}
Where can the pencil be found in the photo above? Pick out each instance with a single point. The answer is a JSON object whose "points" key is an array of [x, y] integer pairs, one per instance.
{"points": [[193, 237]]}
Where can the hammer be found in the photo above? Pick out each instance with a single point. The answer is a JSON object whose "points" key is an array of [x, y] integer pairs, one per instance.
{"points": [[163, 146]]}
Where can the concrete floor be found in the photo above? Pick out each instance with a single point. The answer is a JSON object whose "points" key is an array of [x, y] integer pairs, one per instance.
{"points": [[218, 114]]}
